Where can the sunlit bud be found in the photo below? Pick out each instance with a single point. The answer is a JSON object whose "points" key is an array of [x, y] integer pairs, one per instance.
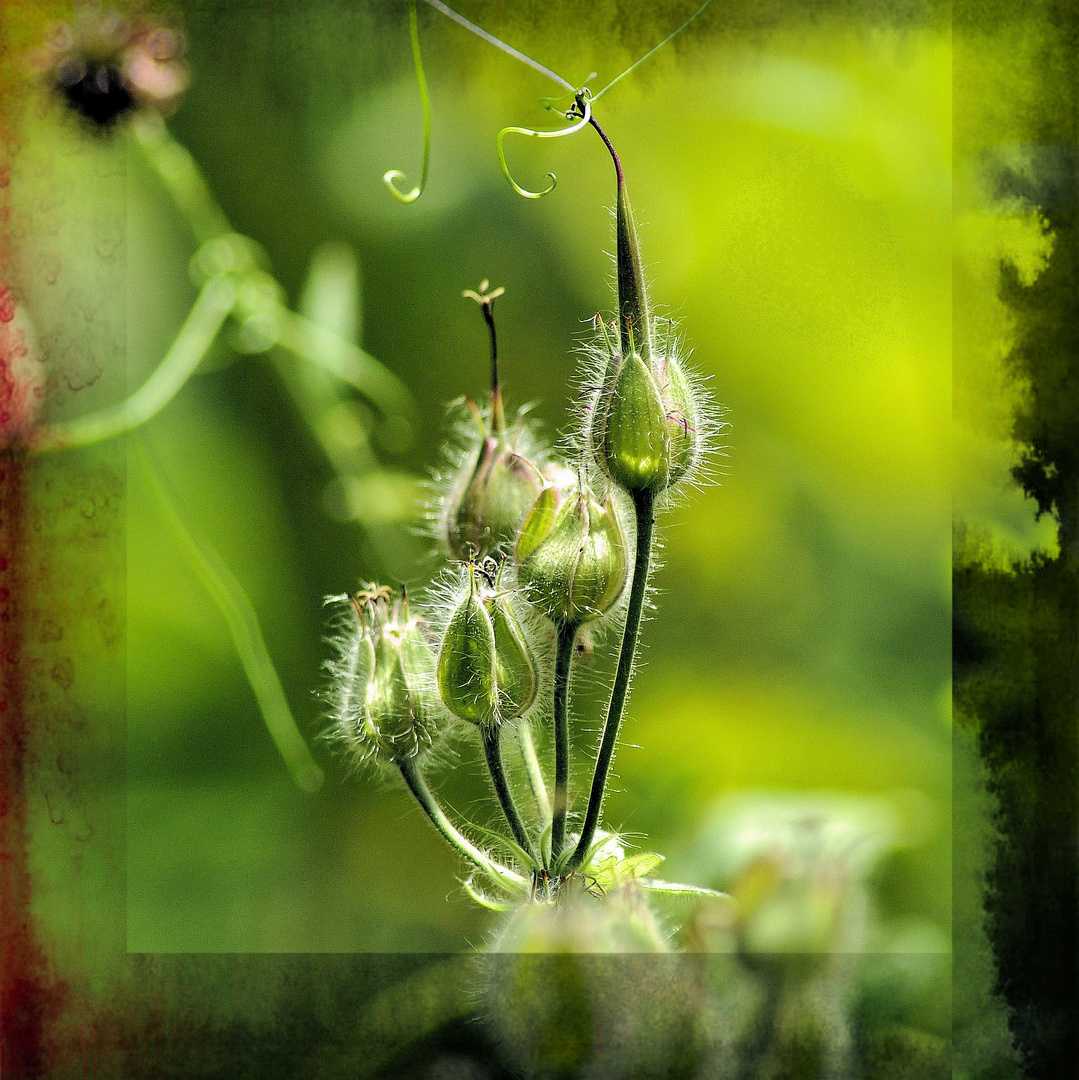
{"points": [[643, 425], [571, 559], [395, 677], [485, 671]]}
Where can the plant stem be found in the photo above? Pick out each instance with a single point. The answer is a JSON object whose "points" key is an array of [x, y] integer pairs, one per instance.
{"points": [[243, 624], [346, 360], [418, 786], [644, 508], [183, 179], [533, 770], [194, 339], [493, 751], [567, 635], [634, 321], [181, 175]]}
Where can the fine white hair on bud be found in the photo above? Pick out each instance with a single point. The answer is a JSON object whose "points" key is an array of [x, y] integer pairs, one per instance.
{"points": [[647, 426], [385, 706], [488, 482]]}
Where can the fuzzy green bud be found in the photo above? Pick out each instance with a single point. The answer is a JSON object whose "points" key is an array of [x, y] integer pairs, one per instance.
{"points": [[571, 557], [394, 680], [485, 670], [494, 491], [644, 418], [643, 431], [491, 498]]}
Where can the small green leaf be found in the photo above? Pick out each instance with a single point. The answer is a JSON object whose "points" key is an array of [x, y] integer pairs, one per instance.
{"points": [[509, 845], [487, 901], [674, 888]]}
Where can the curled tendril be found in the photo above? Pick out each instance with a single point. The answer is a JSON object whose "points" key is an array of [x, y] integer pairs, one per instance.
{"points": [[390, 178], [580, 111]]}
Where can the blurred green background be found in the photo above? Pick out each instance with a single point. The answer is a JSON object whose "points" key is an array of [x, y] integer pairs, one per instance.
{"points": [[793, 182], [794, 190]]}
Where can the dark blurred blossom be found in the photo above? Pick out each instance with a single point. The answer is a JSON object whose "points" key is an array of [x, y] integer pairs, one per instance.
{"points": [[106, 65]]}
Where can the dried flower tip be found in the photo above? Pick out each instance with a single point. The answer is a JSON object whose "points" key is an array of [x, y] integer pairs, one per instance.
{"points": [[483, 297]]}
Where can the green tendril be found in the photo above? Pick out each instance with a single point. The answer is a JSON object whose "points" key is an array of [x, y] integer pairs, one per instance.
{"points": [[390, 178], [231, 600], [498, 43], [655, 49], [582, 105]]}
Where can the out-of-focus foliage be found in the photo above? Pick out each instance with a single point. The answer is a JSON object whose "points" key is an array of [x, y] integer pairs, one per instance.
{"points": [[793, 189]]}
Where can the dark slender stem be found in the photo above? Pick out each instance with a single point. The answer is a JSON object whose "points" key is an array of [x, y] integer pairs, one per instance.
{"points": [[418, 786], [567, 635], [610, 147], [492, 748], [644, 506], [498, 422]]}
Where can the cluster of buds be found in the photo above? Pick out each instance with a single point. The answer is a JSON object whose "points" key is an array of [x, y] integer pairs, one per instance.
{"points": [[386, 709], [105, 65], [540, 553]]}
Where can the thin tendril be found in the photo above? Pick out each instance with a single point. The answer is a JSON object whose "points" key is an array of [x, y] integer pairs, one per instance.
{"points": [[391, 177], [586, 107], [498, 44], [651, 52], [231, 600]]}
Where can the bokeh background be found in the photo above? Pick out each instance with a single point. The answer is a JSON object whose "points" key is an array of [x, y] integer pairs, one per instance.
{"points": [[792, 175], [795, 206]]}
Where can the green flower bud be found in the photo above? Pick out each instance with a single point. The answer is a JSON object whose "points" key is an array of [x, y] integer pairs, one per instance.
{"points": [[644, 427], [571, 558], [390, 699], [494, 491], [485, 671], [492, 497]]}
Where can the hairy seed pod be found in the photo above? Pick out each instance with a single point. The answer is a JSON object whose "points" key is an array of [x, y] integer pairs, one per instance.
{"points": [[494, 489], [485, 671], [492, 497], [643, 432], [392, 708], [514, 667], [571, 557], [643, 425]]}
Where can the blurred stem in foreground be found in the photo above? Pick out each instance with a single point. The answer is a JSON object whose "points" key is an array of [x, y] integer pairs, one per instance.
{"points": [[243, 626], [208, 314], [182, 178]]}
